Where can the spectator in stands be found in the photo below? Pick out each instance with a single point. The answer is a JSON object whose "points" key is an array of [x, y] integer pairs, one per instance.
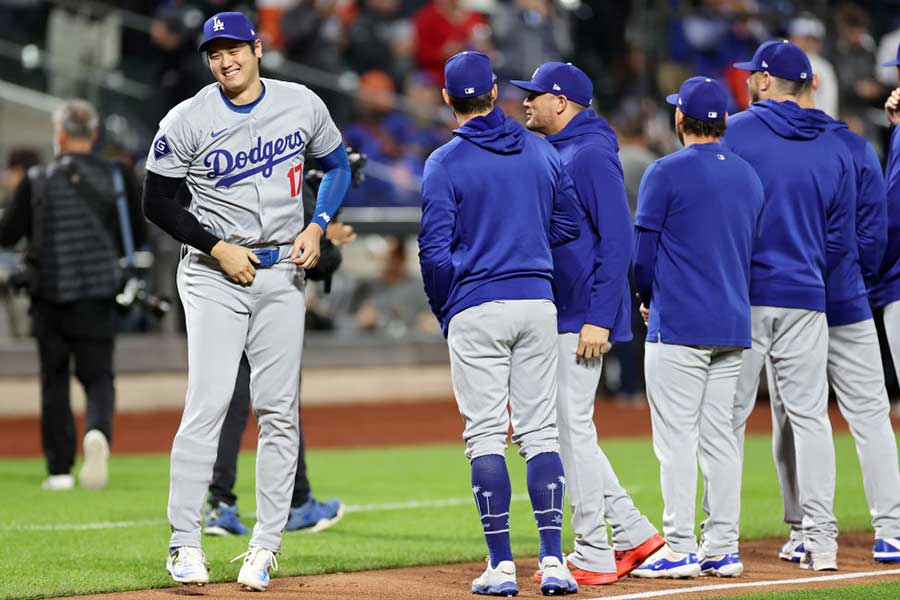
{"points": [[381, 38], [853, 57], [527, 33], [808, 32], [394, 302], [75, 241], [179, 72], [444, 28], [313, 34]]}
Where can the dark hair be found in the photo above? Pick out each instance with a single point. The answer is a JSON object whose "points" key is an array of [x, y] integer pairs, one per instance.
{"points": [[23, 158], [703, 128], [792, 88], [470, 106]]}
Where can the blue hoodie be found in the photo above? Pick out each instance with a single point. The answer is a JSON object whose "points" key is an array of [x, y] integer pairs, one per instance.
{"points": [[590, 277], [887, 288], [847, 301], [806, 226], [494, 200]]}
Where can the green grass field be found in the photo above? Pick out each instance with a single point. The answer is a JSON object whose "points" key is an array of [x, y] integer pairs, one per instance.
{"points": [[59, 543]]}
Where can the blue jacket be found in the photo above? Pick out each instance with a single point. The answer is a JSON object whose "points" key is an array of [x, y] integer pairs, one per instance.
{"points": [[847, 300], [494, 199], [887, 288], [590, 276], [809, 178]]}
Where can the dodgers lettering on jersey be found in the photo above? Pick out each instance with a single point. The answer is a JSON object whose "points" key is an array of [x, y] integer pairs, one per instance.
{"points": [[245, 169]]}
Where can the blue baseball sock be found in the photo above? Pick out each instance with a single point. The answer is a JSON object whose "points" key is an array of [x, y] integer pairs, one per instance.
{"points": [[546, 487], [490, 484]]}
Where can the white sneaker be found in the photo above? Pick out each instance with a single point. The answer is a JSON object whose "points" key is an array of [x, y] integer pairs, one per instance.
{"points": [[58, 483], [187, 564], [792, 550], [497, 581], [556, 580], [255, 568], [669, 564], [95, 470], [819, 561]]}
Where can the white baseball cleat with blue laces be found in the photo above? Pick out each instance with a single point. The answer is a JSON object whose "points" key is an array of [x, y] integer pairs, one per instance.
{"points": [[187, 564], [254, 572], [886, 550], [669, 564], [497, 581], [723, 565]]}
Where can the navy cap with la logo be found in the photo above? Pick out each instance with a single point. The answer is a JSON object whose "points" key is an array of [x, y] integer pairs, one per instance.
{"points": [[701, 98], [780, 58], [228, 25]]}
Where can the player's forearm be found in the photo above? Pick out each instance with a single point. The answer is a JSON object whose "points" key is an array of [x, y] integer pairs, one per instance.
{"points": [[646, 244], [163, 209], [333, 188]]}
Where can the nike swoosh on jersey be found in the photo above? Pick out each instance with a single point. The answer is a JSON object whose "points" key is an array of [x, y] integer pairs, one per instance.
{"points": [[217, 133]]}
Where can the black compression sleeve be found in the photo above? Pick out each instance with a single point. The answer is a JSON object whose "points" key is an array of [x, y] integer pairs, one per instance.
{"points": [[162, 208]]}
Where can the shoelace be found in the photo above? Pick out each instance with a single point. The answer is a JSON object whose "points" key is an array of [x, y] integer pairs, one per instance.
{"points": [[191, 555], [253, 556]]}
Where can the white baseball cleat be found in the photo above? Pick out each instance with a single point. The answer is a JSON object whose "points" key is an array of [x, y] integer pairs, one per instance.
{"points": [[58, 483], [254, 572], [819, 561], [95, 470], [497, 581], [556, 579], [187, 564], [669, 564]]}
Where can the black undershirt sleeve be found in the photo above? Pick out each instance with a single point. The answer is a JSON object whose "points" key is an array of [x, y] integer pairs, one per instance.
{"points": [[161, 207]]}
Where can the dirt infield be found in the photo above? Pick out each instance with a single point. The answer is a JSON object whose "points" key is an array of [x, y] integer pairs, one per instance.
{"points": [[347, 425], [451, 582]]}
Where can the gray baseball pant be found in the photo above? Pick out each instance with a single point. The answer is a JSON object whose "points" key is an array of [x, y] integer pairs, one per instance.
{"points": [[855, 373], [503, 353], [892, 330], [595, 494], [796, 342], [224, 319], [691, 393]]}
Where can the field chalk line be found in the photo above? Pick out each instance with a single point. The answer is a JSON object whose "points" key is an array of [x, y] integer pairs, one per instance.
{"points": [[350, 508], [749, 584]]}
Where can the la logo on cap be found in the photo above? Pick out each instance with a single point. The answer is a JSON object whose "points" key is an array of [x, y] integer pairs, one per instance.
{"points": [[556, 87], [218, 25], [765, 65]]}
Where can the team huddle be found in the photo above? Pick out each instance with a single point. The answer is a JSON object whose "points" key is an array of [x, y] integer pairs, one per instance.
{"points": [[758, 244]]}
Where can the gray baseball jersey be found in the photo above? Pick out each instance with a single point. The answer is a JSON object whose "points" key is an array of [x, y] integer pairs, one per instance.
{"points": [[245, 170]]}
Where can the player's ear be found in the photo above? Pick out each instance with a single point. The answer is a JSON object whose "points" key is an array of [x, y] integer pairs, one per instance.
{"points": [[494, 93], [815, 82], [257, 48], [446, 97]]}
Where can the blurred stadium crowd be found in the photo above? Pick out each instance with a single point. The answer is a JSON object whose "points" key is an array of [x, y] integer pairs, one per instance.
{"points": [[378, 64]]}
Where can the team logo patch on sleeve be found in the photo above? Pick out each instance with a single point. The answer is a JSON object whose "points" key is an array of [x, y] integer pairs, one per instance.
{"points": [[161, 147]]}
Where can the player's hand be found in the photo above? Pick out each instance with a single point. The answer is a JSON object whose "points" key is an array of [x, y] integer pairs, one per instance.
{"points": [[593, 342], [645, 313], [892, 107], [236, 261], [340, 233], [305, 252]]}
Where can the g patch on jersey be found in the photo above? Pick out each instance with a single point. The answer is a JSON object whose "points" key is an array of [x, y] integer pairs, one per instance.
{"points": [[161, 147]]}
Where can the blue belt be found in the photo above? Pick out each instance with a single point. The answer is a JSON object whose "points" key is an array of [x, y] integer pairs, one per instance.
{"points": [[267, 256]]}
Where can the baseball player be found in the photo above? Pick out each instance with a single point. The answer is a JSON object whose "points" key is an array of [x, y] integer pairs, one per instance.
{"points": [[596, 262], [240, 146], [494, 199], [854, 363], [805, 229], [695, 224]]}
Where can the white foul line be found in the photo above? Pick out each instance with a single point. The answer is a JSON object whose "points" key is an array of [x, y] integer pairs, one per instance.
{"points": [[351, 508], [749, 584]]}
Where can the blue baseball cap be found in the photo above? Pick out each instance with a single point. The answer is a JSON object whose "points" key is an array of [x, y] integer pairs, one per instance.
{"points": [[895, 62], [701, 98], [228, 25], [560, 79], [468, 74], [780, 58]]}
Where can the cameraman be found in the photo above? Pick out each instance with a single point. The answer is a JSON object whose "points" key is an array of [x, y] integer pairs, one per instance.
{"points": [[68, 211]]}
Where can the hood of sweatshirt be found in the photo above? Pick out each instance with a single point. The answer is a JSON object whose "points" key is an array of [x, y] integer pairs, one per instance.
{"points": [[586, 123], [495, 132], [788, 120]]}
